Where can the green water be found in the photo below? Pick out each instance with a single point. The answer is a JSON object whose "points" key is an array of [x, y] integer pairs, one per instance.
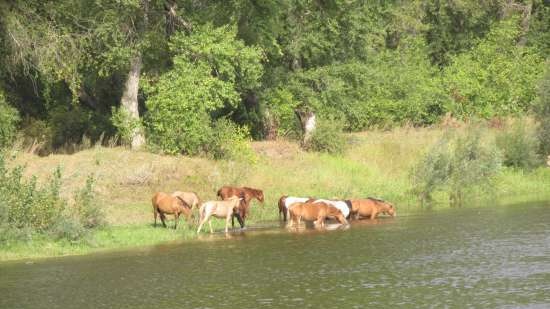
{"points": [[491, 257]]}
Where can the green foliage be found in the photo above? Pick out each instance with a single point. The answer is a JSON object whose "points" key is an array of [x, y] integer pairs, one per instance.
{"points": [[28, 208], [456, 165], [495, 78], [9, 118], [392, 88], [210, 68], [230, 141], [86, 207], [327, 137], [542, 113], [125, 124], [519, 146]]}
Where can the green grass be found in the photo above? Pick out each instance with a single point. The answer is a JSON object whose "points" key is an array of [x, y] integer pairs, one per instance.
{"points": [[375, 163]]}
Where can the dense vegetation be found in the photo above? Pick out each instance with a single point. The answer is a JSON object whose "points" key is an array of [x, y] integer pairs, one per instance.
{"points": [[165, 71]]}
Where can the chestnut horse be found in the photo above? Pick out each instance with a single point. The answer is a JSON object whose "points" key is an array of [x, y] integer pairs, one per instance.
{"points": [[286, 201], [316, 212], [371, 207], [191, 198], [219, 209], [247, 194], [341, 205], [164, 203]]}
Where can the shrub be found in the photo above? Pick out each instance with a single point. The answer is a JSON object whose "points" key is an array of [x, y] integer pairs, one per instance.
{"points": [[518, 146], [457, 165], [327, 137], [230, 141], [542, 112], [88, 212], [27, 208], [124, 124], [9, 117]]}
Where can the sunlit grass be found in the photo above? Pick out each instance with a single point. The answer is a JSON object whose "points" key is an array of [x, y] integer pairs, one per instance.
{"points": [[376, 163]]}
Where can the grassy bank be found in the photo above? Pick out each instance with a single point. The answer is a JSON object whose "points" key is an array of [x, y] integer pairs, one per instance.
{"points": [[376, 163]]}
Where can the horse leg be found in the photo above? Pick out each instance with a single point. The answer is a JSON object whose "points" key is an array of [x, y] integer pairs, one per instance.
{"points": [[229, 216], [202, 220], [162, 218], [373, 215], [155, 216], [176, 219], [210, 225]]}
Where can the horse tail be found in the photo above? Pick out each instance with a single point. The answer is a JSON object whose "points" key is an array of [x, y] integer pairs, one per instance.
{"points": [[219, 193]]}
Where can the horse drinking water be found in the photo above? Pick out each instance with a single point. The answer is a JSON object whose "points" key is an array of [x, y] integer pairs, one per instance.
{"points": [[316, 212], [371, 207]]}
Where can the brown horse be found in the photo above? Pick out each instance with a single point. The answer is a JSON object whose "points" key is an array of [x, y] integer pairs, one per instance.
{"points": [[219, 209], [247, 194], [286, 201], [191, 198], [316, 212], [371, 207], [164, 203]]}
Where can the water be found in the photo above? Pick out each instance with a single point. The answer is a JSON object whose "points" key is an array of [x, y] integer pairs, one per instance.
{"points": [[492, 257]]}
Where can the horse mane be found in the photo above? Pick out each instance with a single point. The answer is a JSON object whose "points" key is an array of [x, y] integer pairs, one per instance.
{"points": [[348, 203], [183, 202], [256, 191], [376, 199]]}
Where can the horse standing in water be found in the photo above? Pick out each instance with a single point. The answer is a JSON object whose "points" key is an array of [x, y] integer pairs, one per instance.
{"points": [[164, 203], [219, 209], [286, 201], [316, 212], [371, 207], [247, 194]]}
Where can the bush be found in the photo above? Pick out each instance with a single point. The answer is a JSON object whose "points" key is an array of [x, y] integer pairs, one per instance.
{"points": [[230, 141], [27, 208], [327, 137], [9, 117], [542, 112], [88, 212], [124, 124], [519, 146], [456, 165]]}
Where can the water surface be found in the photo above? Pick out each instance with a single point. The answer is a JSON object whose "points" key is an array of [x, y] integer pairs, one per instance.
{"points": [[491, 257]]}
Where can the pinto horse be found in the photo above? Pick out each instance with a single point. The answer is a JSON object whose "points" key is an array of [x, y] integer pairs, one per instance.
{"points": [[219, 209], [316, 212], [286, 201], [164, 203], [371, 207], [247, 194]]}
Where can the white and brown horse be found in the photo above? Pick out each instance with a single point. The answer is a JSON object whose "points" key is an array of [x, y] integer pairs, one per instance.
{"points": [[286, 201]]}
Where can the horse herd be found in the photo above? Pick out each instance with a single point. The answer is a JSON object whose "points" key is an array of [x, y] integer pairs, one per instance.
{"points": [[235, 203]]}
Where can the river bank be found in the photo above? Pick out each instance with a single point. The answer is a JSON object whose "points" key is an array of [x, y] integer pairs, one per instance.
{"points": [[376, 163]]}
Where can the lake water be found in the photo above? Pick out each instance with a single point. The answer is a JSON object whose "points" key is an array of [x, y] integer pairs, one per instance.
{"points": [[490, 257]]}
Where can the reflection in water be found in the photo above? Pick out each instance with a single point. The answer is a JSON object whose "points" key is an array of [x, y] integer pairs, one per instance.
{"points": [[487, 257]]}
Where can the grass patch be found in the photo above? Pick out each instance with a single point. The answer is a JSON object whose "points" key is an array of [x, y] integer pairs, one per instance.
{"points": [[375, 163]]}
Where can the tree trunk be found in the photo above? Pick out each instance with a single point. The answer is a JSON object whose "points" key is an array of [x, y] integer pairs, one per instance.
{"points": [[307, 120], [270, 126], [525, 19], [129, 101]]}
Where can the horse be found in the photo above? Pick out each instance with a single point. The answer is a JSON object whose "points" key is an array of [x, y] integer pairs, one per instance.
{"points": [[286, 201], [219, 209], [343, 206], [371, 207], [164, 203], [247, 194], [316, 212], [191, 198]]}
